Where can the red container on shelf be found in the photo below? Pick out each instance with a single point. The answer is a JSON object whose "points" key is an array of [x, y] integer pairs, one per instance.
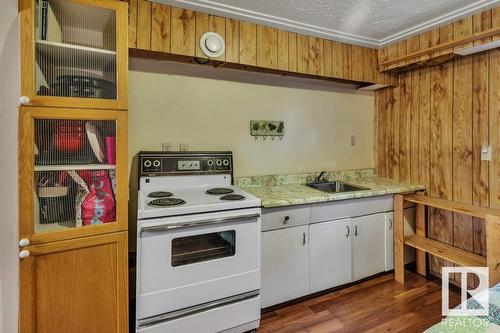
{"points": [[69, 136]]}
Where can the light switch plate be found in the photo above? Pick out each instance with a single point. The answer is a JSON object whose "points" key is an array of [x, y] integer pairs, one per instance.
{"points": [[485, 153]]}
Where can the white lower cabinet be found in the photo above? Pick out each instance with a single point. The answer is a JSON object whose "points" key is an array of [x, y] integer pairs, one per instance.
{"points": [[285, 265], [368, 245], [330, 254], [409, 216]]}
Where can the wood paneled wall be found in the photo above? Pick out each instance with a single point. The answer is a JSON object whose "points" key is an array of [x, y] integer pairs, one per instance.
{"points": [[438, 45], [158, 30], [430, 130]]}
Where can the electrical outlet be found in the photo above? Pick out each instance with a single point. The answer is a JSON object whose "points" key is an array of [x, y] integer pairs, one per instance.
{"points": [[353, 139], [485, 153]]}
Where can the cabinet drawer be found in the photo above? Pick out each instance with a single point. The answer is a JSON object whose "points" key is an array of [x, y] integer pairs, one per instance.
{"points": [[350, 208], [277, 218]]}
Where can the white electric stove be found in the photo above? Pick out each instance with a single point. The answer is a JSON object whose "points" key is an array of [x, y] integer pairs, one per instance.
{"points": [[198, 246]]}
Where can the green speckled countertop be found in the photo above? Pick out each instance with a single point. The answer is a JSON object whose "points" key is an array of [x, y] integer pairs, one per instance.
{"points": [[274, 192]]}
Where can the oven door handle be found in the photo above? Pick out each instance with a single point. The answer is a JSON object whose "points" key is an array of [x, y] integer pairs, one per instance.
{"points": [[190, 224]]}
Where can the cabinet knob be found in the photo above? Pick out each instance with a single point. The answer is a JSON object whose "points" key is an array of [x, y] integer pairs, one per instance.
{"points": [[24, 100], [24, 242], [355, 230], [390, 224], [348, 231], [24, 254], [286, 219]]}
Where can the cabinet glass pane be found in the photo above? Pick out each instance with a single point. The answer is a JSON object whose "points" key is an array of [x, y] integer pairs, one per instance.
{"points": [[75, 50], [75, 173]]}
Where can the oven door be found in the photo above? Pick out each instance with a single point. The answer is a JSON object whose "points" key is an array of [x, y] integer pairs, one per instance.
{"points": [[189, 260]]}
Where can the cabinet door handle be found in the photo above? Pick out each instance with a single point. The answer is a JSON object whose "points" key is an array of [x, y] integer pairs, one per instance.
{"points": [[24, 254], [285, 220], [303, 238], [390, 224], [355, 230], [348, 231]]}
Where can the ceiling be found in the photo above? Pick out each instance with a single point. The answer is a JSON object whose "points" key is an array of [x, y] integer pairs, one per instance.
{"points": [[372, 23]]}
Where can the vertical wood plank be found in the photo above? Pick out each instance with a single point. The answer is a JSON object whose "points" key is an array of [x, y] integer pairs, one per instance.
{"points": [[493, 251], [267, 47], [292, 52], [248, 43], [201, 26], [132, 24], [357, 63], [392, 139], [302, 54], [315, 65], [401, 46], [414, 126], [369, 57], [494, 102], [404, 126], [381, 121], [347, 60], [327, 58], [445, 36], [392, 53], [283, 50], [495, 20], [413, 45], [217, 24], [441, 222], [480, 131], [424, 154], [435, 40], [144, 25], [183, 25], [462, 150], [462, 29], [425, 43], [337, 60], [232, 41], [160, 27], [481, 22]]}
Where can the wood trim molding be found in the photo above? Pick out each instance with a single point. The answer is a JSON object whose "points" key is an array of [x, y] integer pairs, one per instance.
{"points": [[448, 45]]}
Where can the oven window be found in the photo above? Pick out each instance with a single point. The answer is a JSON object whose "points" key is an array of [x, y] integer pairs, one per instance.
{"points": [[198, 248]]}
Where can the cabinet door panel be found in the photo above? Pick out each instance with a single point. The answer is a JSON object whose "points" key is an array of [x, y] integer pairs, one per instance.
{"points": [[285, 266], [368, 245], [75, 286], [330, 254]]}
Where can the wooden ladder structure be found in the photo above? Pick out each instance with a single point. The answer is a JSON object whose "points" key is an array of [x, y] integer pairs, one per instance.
{"points": [[424, 245]]}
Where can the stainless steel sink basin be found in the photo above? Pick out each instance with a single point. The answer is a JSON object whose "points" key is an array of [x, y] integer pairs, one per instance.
{"points": [[335, 187]]}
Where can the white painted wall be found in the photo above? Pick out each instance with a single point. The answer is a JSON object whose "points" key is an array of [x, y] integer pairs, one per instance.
{"points": [[9, 97], [211, 109]]}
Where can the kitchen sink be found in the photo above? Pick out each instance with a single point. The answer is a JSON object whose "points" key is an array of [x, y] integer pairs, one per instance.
{"points": [[335, 186]]}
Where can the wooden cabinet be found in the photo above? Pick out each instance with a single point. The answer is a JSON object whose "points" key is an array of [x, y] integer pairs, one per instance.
{"points": [[76, 286], [368, 245], [74, 53], [330, 254], [72, 173], [73, 166], [285, 265]]}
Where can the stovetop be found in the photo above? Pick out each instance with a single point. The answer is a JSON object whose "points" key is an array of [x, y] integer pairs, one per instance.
{"points": [[192, 200]]}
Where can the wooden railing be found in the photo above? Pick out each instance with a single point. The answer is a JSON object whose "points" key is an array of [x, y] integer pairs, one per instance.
{"points": [[448, 252]]}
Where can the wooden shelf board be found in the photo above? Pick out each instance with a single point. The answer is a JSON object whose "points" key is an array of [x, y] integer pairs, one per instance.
{"points": [[452, 206], [445, 251], [75, 167]]}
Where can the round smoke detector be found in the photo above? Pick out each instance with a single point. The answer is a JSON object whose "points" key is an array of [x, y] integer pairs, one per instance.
{"points": [[212, 44]]}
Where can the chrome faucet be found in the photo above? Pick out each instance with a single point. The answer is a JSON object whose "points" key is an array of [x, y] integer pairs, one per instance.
{"points": [[320, 175]]}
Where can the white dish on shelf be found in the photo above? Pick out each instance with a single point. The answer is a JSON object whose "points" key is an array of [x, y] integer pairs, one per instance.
{"points": [[95, 140]]}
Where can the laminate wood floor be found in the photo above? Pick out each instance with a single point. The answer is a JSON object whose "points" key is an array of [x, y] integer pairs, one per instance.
{"points": [[377, 305]]}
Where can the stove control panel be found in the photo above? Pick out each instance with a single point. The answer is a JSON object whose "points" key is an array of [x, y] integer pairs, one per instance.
{"points": [[169, 163]]}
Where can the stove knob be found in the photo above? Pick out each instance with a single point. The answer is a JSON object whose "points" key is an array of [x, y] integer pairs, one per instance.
{"points": [[225, 162], [156, 163], [218, 162], [147, 163], [210, 162]]}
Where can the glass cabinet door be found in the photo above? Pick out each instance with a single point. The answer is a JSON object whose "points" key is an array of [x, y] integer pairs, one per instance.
{"points": [[79, 53], [75, 173]]}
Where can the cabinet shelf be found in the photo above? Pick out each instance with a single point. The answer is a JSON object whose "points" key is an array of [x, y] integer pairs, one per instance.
{"points": [[75, 167], [66, 54]]}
